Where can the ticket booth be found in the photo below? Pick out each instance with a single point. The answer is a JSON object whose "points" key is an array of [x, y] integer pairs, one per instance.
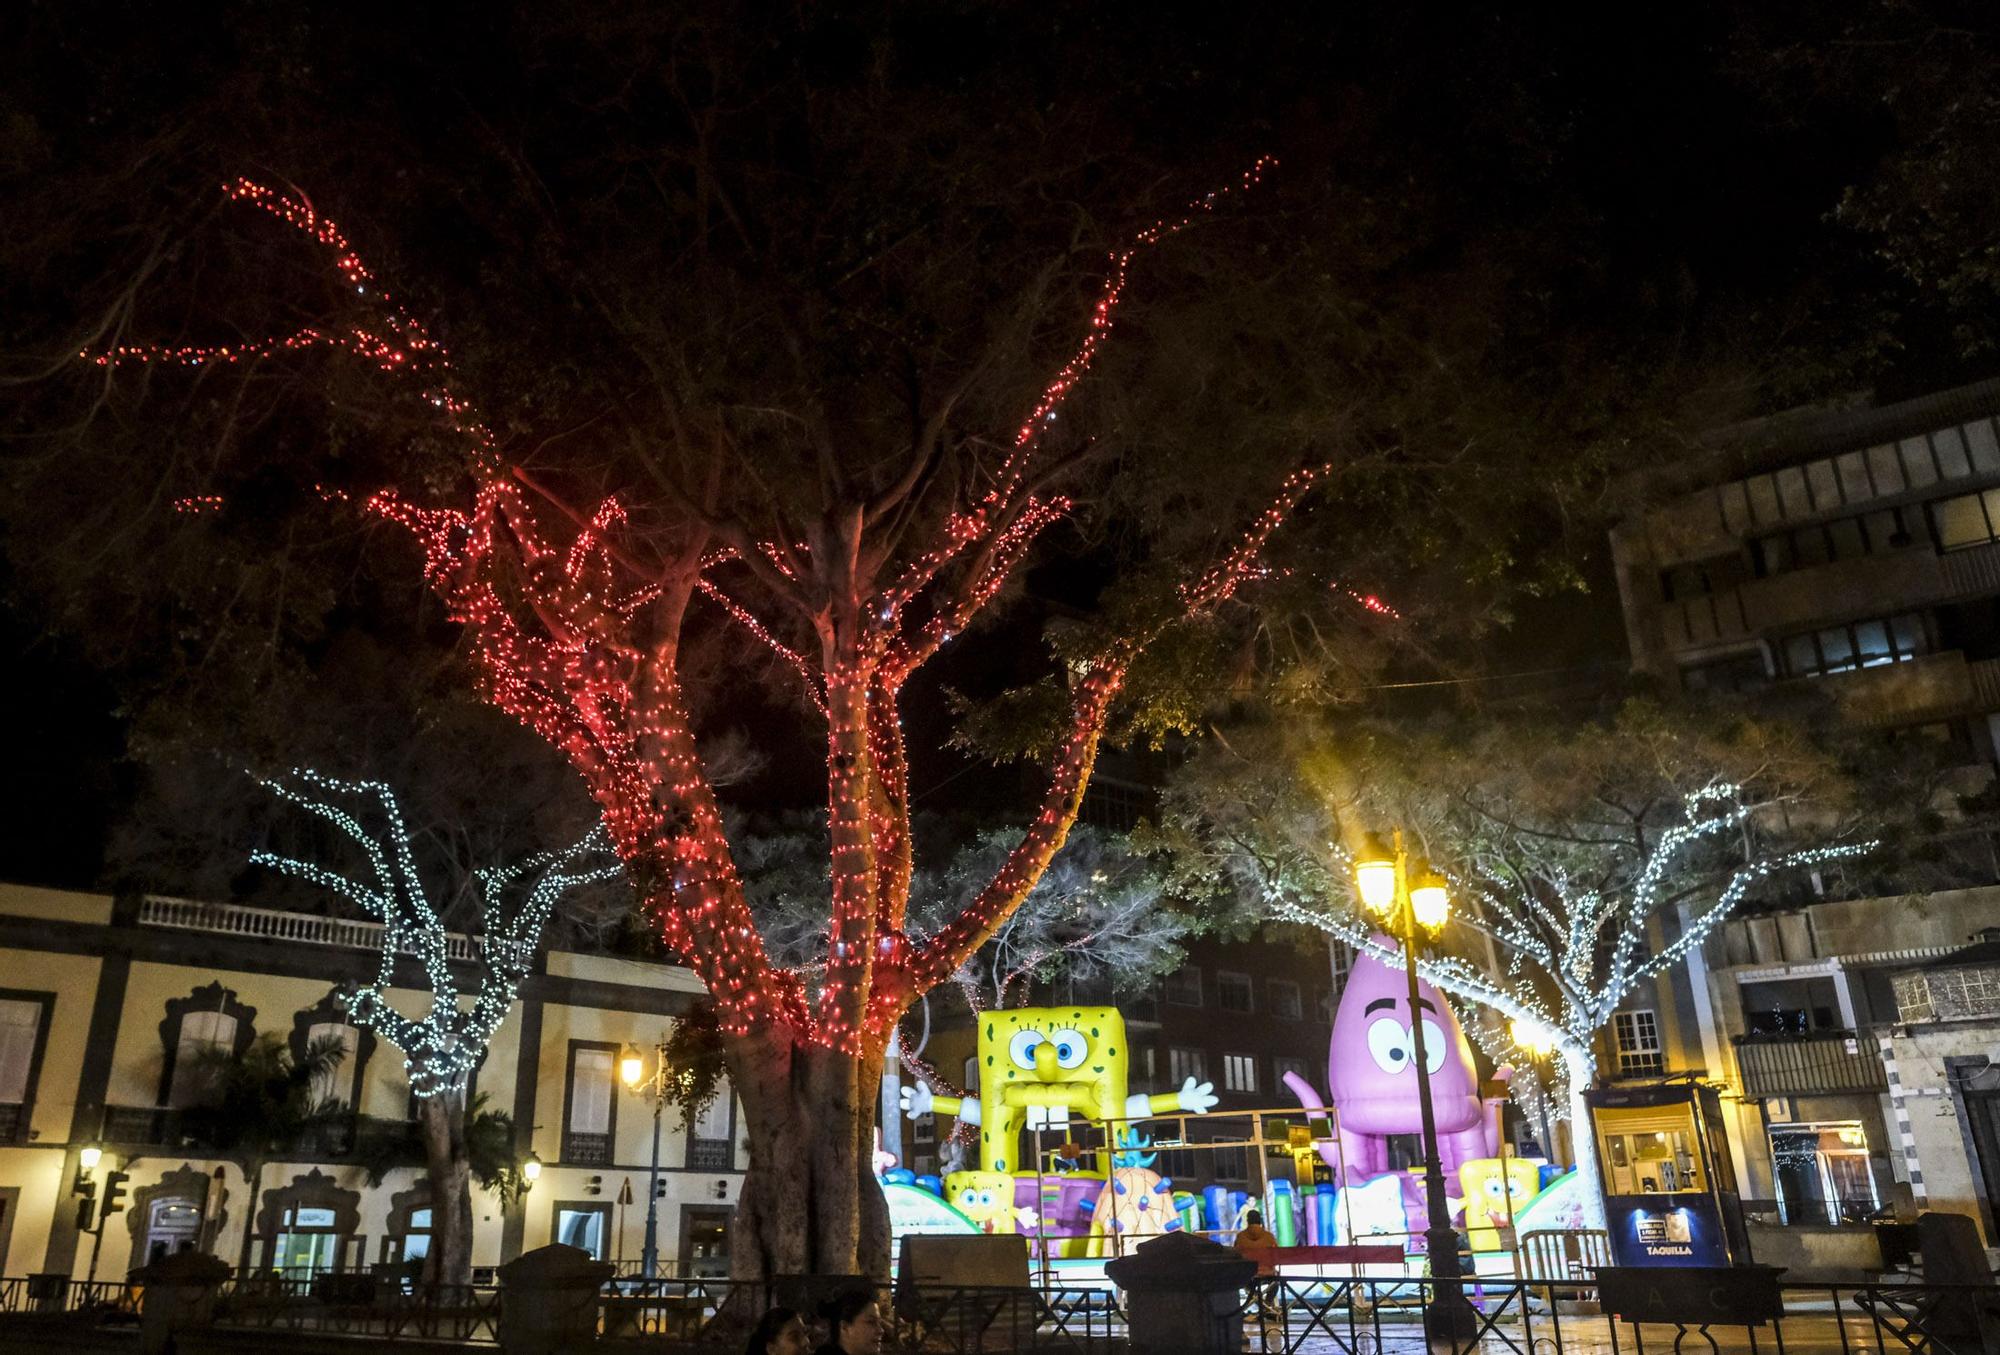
{"points": [[1669, 1186]]}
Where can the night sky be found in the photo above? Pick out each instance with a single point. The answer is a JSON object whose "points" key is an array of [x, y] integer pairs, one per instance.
{"points": [[1655, 193]]}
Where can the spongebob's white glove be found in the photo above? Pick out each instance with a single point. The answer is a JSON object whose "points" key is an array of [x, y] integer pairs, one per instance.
{"points": [[917, 1101], [1197, 1098]]}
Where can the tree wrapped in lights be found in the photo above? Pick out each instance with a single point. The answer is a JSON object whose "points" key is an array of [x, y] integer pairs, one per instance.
{"points": [[854, 573], [443, 1047], [1583, 864]]}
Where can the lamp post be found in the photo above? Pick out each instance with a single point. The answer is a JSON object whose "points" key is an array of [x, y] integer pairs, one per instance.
{"points": [[632, 1072], [1405, 901]]}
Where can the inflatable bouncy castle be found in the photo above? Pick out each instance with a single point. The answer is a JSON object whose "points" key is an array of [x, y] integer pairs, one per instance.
{"points": [[1066, 1068]]}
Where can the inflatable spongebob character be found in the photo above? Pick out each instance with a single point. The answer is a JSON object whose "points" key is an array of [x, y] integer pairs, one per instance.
{"points": [[1487, 1189], [1050, 1062], [987, 1198]]}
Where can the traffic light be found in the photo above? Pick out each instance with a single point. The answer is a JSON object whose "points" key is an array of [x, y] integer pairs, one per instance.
{"points": [[114, 1193], [86, 1215], [83, 1187], [660, 1189], [593, 1185]]}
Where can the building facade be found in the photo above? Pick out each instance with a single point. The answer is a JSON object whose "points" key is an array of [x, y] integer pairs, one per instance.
{"points": [[107, 1003], [1854, 553]]}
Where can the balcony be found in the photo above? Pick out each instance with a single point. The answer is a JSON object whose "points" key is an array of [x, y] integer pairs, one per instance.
{"points": [[586, 1150], [1820, 1064], [711, 1155]]}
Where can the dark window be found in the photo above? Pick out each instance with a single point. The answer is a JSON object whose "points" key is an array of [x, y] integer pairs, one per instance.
{"points": [[1859, 644], [1183, 986], [1966, 520], [1282, 996], [1233, 991]]}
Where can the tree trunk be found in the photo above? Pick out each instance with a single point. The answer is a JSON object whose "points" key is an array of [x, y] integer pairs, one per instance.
{"points": [[449, 1169], [811, 1204], [1582, 1067]]}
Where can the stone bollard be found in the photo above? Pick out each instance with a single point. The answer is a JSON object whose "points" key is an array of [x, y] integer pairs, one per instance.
{"points": [[549, 1300], [1183, 1294], [178, 1295]]}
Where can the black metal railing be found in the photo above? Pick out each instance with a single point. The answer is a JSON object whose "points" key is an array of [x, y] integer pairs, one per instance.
{"points": [[1816, 1064], [1277, 1315], [586, 1150], [711, 1155]]}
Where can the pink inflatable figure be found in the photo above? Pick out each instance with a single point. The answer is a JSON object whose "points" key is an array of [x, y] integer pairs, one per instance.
{"points": [[1373, 1078]]}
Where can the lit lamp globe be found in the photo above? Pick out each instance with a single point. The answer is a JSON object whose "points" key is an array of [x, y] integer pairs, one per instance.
{"points": [[631, 1067], [90, 1155], [531, 1170], [1430, 901], [1375, 876], [1532, 1036]]}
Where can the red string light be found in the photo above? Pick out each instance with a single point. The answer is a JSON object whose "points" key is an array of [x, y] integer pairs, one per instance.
{"points": [[561, 640]]}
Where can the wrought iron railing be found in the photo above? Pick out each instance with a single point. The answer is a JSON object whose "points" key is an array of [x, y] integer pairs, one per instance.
{"points": [[1806, 1065]]}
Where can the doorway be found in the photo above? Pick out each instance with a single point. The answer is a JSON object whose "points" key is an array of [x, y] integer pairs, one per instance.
{"points": [[1823, 1173], [173, 1225], [583, 1224], [704, 1249]]}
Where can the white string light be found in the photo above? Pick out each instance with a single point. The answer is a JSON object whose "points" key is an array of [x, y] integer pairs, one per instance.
{"points": [[441, 1050]]}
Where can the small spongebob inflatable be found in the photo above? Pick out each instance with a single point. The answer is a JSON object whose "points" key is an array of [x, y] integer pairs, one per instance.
{"points": [[987, 1198], [1051, 1061], [1487, 1188]]}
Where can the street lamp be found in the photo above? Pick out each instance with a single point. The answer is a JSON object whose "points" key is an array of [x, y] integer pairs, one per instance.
{"points": [[632, 1072], [531, 1170], [89, 1156], [1536, 1039], [1407, 900]]}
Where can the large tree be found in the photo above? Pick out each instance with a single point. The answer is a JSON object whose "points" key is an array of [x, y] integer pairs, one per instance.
{"points": [[1588, 857], [769, 329]]}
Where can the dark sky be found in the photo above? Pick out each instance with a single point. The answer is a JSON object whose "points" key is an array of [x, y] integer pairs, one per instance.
{"points": [[1660, 183]]}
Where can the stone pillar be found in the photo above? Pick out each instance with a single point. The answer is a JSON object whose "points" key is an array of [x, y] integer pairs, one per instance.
{"points": [[179, 1294], [1183, 1295], [549, 1300]]}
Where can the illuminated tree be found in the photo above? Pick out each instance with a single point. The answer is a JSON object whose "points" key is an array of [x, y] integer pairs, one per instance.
{"points": [[1586, 862], [443, 1047], [855, 572]]}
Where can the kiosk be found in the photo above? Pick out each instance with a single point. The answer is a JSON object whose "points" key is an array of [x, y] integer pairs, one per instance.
{"points": [[1669, 1187]]}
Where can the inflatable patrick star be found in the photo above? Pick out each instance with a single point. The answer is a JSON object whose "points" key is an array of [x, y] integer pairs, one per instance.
{"points": [[1371, 1074]]}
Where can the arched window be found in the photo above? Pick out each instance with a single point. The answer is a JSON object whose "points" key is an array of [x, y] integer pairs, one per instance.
{"points": [[207, 1022], [328, 1020]]}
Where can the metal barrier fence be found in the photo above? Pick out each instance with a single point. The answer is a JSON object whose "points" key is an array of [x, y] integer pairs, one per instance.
{"points": [[1277, 1315]]}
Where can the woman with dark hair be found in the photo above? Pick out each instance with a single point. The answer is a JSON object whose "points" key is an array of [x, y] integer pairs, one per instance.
{"points": [[779, 1332], [854, 1324]]}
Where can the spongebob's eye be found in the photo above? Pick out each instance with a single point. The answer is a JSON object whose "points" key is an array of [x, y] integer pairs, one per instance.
{"points": [[1071, 1048], [986, 1198], [968, 1197], [1021, 1048], [1494, 1187]]}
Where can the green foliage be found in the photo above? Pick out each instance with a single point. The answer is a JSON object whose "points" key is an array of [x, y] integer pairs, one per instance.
{"points": [[694, 1057], [265, 1103]]}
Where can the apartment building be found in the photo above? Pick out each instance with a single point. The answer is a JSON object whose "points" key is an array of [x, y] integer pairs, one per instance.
{"points": [[105, 1003], [1857, 550]]}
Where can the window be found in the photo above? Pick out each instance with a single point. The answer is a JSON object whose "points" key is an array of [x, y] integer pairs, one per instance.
{"points": [[1149, 1064], [591, 1113], [711, 1138], [1966, 520], [1232, 991], [1848, 538], [23, 1029], [1859, 644], [1638, 1038], [1285, 1064], [582, 1225], [971, 1081], [1183, 987], [204, 1037], [336, 1083], [923, 1130], [1239, 1073], [1183, 1064], [1283, 997]]}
